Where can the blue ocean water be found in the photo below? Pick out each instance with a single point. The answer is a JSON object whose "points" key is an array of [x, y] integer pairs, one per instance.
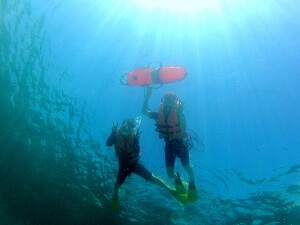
{"points": [[61, 64]]}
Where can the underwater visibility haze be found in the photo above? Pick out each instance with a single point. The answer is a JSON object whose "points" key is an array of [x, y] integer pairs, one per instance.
{"points": [[60, 93]]}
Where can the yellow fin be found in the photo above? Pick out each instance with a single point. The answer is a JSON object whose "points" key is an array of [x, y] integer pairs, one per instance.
{"points": [[183, 198]]}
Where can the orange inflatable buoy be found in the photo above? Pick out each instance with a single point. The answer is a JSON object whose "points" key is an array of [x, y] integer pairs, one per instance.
{"points": [[148, 76]]}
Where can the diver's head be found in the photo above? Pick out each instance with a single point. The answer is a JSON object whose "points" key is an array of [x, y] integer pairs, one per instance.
{"points": [[128, 127], [169, 101]]}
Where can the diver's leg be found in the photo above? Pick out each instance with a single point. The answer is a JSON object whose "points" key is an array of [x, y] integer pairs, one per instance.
{"points": [[143, 172], [185, 161], [122, 174], [160, 182], [170, 161], [170, 172], [190, 172], [116, 189], [184, 157]]}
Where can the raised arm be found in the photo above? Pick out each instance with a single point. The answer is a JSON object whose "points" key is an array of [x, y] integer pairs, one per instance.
{"points": [[111, 140], [145, 108]]}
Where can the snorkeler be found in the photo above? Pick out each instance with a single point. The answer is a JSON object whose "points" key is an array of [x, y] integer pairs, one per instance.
{"points": [[126, 143], [171, 126]]}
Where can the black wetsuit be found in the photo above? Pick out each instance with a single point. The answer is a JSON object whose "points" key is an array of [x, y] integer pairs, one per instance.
{"points": [[129, 163], [175, 148]]}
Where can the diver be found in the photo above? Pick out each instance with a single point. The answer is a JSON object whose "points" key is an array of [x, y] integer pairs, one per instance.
{"points": [[126, 143], [171, 126]]}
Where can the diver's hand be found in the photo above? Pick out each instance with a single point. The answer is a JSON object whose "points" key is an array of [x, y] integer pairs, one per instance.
{"points": [[114, 128], [149, 91]]}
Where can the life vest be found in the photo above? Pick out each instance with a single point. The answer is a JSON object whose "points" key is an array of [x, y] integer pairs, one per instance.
{"points": [[169, 127], [125, 147]]}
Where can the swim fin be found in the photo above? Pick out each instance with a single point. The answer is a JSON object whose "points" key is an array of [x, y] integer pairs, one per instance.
{"points": [[179, 187], [192, 193], [183, 198], [181, 193]]}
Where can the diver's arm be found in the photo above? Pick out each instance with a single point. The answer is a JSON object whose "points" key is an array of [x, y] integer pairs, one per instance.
{"points": [[145, 108], [111, 140]]}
